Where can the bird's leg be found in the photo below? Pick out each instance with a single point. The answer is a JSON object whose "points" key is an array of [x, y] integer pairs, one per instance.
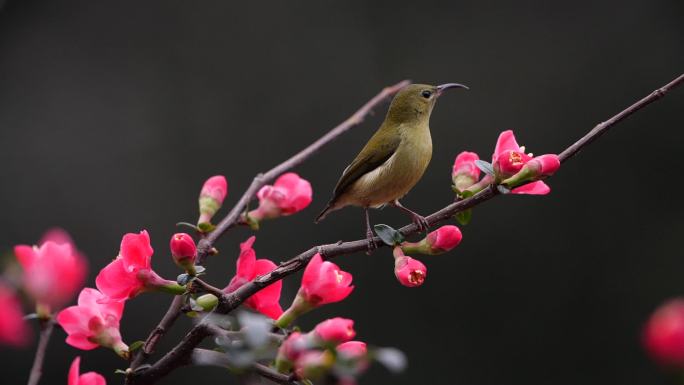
{"points": [[416, 218], [369, 234]]}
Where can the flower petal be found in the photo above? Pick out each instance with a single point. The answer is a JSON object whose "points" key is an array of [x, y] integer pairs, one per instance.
{"points": [[116, 282], [506, 141], [534, 188], [74, 371], [136, 250]]}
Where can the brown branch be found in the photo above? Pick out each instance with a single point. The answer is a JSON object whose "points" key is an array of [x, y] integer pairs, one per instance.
{"points": [[260, 180], [207, 288], [231, 301], [46, 328]]}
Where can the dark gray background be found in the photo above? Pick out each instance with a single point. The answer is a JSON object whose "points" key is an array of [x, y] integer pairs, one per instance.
{"points": [[112, 113]]}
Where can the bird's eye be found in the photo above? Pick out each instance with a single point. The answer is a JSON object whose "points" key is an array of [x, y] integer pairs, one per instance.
{"points": [[426, 94]]}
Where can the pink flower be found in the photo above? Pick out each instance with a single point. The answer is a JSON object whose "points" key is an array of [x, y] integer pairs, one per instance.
{"points": [[322, 283], [94, 322], [183, 251], [53, 271], [131, 272], [211, 197], [90, 378], [409, 272], [335, 330], [293, 347], [288, 195], [509, 158], [663, 334], [314, 364], [465, 173], [445, 238], [266, 300], [355, 353], [13, 329]]}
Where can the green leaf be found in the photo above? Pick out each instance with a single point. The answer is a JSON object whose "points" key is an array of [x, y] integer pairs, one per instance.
{"points": [[464, 216], [393, 359], [183, 279], [186, 224], [135, 346], [486, 167], [389, 235], [206, 227], [120, 371], [200, 269]]}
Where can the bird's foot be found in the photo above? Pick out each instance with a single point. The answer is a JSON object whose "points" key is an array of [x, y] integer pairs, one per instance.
{"points": [[420, 222], [370, 239]]}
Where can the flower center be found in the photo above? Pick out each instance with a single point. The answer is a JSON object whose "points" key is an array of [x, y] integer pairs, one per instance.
{"points": [[515, 157], [416, 277], [338, 277]]}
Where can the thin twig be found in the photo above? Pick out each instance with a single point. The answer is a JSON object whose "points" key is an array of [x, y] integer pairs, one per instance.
{"points": [[46, 327], [207, 288], [231, 301]]}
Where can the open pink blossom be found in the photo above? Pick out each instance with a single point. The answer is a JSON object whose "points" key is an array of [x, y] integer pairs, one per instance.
{"points": [[13, 328], [410, 272], [131, 272], [90, 378], [266, 300], [663, 334], [52, 272], [211, 197], [465, 173], [335, 330], [288, 195], [509, 158], [93, 322], [323, 282]]}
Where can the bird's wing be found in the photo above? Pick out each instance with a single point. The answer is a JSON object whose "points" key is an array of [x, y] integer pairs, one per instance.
{"points": [[378, 149]]}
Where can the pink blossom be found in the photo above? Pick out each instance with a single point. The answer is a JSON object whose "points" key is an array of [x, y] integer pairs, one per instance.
{"points": [[544, 165], [355, 353], [13, 328], [465, 173], [266, 300], [288, 195], [93, 322], [410, 272], [294, 346], [211, 197], [52, 272], [131, 272], [509, 156], [322, 283], [313, 364], [663, 334], [90, 378], [183, 251], [444, 239], [335, 330]]}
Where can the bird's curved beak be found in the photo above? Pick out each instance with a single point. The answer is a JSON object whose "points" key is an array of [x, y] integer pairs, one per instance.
{"points": [[443, 87]]}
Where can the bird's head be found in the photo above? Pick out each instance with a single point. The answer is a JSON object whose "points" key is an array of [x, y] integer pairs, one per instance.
{"points": [[416, 101]]}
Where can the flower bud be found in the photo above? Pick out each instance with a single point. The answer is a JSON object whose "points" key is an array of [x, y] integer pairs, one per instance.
{"points": [[437, 242], [291, 349], [313, 364], [465, 173], [211, 198], [90, 378], [335, 331], [409, 272], [541, 166], [184, 251], [288, 195], [14, 330], [663, 335], [354, 354]]}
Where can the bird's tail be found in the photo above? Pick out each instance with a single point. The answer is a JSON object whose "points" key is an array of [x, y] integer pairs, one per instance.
{"points": [[328, 208]]}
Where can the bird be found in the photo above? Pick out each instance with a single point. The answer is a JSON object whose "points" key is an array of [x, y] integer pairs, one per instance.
{"points": [[393, 160]]}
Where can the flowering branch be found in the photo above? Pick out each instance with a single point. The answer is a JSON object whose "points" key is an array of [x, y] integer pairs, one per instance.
{"points": [[46, 327], [228, 302]]}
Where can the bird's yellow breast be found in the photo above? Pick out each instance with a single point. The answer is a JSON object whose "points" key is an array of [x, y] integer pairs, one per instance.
{"points": [[397, 175]]}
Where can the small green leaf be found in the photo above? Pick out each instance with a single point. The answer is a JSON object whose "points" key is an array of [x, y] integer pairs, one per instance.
{"points": [[186, 224], [206, 227], [503, 189], [390, 236], [464, 216], [135, 346], [486, 167], [200, 269], [120, 371], [31, 316], [183, 279]]}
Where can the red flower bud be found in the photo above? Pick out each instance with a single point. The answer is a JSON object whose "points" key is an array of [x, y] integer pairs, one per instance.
{"points": [[90, 378], [354, 353], [211, 197], [465, 173], [444, 239], [291, 349], [314, 364], [335, 330], [288, 195], [410, 272], [663, 334], [13, 328], [183, 251]]}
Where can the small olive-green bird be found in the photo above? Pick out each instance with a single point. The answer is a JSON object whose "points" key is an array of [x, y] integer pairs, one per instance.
{"points": [[394, 159]]}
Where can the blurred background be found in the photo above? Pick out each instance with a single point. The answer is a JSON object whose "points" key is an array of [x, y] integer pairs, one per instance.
{"points": [[113, 113]]}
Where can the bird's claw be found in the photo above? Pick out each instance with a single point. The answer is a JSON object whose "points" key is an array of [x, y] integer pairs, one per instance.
{"points": [[420, 222]]}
